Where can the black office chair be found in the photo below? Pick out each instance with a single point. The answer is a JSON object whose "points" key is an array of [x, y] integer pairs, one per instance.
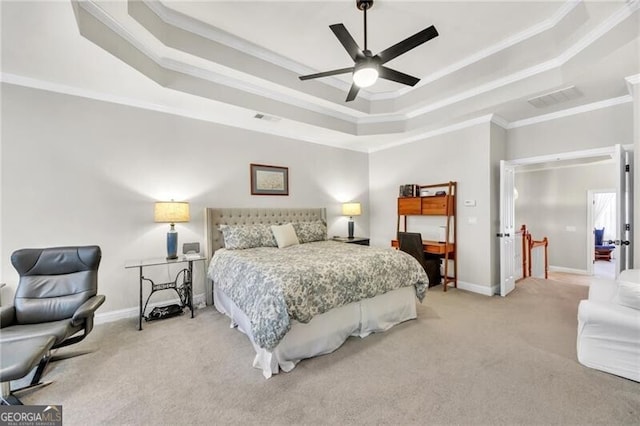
{"points": [[56, 296], [411, 243]]}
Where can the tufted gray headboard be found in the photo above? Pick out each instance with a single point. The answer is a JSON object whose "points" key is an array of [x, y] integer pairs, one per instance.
{"points": [[214, 217]]}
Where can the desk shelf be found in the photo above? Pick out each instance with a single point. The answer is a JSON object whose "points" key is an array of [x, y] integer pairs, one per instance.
{"points": [[435, 205]]}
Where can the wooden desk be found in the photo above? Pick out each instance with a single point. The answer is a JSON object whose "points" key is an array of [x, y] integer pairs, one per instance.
{"points": [[445, 251], [433, 247]]}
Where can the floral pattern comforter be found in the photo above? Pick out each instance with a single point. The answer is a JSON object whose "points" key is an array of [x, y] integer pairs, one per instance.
{"points": [[273, 285]]}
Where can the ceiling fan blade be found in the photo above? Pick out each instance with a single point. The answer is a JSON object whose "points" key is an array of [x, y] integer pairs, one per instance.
{"points": [[347, 41], [353, 92], [407, 44], [400, 77], [326, 73]]}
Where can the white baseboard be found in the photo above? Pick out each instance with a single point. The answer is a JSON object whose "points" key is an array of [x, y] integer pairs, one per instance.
{"points": [[105, 317], [568, 270], [476, 288]]}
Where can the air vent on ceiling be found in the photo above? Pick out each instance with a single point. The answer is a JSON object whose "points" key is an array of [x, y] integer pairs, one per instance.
{"points": [[555, 97], [267, 117]]}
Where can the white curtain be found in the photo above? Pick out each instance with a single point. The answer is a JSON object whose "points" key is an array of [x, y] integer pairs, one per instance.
{"points": [[604, 214]]}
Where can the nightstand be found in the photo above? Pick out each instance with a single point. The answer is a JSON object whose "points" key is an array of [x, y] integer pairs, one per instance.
{"points": [[363, 241]]}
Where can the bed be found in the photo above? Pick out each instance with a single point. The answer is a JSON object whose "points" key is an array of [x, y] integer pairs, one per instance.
{"points": [[302, 300]]}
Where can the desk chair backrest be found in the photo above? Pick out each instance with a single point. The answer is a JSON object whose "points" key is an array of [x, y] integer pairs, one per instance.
{"points": [[54, 282], [411, 243]]}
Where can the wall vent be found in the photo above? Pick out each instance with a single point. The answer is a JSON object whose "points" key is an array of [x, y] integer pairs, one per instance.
{"points": [[555, 97], [267, 117]]}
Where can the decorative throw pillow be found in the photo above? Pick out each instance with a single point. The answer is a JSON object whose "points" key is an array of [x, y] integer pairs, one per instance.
{"points": [[247, 236], [308, 232], [285, 235], [628, 294]]}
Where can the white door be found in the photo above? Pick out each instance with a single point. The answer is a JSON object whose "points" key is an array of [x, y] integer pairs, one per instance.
{"points": [[624, 195], [507, 229]]}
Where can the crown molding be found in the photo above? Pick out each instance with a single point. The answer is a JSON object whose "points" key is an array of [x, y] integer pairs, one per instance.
{"points": [[276, 93], [311, 103], [489, 51], [278, 131], [197, 114], [318, 105], [632, 81], [186, 23], [571, 111], [189, 24], [604, 27], [500, 121], [432, 133], [611, 22]]}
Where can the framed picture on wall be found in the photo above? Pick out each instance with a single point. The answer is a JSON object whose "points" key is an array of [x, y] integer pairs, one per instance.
{"points": [[269, 180]]}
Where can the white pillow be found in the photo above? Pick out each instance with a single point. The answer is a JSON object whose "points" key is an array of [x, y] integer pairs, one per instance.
{"points": [[628, 294], [285, 235]]}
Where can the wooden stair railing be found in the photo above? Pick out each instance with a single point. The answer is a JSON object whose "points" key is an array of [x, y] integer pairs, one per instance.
{"points": [[528, 244]]}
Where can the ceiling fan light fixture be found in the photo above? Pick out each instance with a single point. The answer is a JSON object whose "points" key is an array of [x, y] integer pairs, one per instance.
{"points": [[365, 76], [368, 67]]}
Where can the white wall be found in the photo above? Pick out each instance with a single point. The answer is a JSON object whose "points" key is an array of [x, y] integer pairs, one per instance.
{"points": [[553, 203], [79, 171], [461, 156], [593, 129]]}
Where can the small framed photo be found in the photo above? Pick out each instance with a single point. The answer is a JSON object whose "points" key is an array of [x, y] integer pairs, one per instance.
{"points": [[269, 180]]}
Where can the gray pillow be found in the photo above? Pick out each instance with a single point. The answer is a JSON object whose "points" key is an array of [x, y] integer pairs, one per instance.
{"points": [[247, 236], [309, 232]]}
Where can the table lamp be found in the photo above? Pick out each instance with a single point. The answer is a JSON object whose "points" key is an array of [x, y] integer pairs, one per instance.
{"points": [[351, 209], [171, 212]]}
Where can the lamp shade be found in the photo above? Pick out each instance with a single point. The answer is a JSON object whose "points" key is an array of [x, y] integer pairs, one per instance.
{"points": [[351, 209], [171, 211]]}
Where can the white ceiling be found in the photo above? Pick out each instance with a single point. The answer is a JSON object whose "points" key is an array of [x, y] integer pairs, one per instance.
{"points": [[225, 61]]}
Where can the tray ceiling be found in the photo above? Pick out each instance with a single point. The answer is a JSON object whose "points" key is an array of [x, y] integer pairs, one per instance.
{"points": [[228, 60]]}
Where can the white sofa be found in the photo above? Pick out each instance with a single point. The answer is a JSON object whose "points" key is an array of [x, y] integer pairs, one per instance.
{"points": [[609, 326]]}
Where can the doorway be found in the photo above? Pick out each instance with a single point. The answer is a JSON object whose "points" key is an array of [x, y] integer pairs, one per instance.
{"points": [[622, 172], [602, 214]]}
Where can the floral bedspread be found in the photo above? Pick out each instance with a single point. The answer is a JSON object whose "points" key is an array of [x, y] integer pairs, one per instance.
{"points": [[273, 285]]}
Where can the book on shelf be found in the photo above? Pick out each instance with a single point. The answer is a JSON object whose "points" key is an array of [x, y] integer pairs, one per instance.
{"points": [[410, 190]]}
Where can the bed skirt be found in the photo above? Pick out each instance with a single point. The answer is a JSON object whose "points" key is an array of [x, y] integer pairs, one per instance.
{"points": [[326, 332]]}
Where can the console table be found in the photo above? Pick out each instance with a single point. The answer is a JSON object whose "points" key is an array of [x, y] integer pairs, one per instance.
{"points": [[184, 290]]}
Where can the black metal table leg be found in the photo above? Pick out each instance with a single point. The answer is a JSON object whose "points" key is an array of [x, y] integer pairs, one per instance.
{"points": [[191, 287], [140, 313]]}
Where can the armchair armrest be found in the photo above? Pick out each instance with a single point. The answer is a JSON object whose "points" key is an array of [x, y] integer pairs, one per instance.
{"points": [[611, 321], [7, 316], [87, 309]]}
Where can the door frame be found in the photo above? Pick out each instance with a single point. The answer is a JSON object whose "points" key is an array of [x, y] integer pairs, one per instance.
{"points": [[550, 158]]}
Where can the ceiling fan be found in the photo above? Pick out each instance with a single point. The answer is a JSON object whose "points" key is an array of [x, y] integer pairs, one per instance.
{"points": [[368, 67]]}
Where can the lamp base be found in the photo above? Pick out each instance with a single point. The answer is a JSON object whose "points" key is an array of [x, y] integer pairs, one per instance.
{"points": [[350, 230], [172, 243]]}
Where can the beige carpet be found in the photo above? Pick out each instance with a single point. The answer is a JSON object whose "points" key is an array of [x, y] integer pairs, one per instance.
{"points": [[467, 359]]}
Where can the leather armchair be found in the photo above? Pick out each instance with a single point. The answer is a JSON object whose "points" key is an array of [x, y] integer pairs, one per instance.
{"points": [[56, 295]]}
